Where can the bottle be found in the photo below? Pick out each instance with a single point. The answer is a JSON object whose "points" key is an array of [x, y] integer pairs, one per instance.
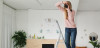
{"points": [[34, 36]]}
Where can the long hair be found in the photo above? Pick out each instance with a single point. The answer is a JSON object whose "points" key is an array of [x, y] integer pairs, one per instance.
{"points": [[65, 11]]}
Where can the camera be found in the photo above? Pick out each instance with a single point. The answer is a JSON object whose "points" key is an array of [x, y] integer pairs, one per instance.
{"points": [[66, 6]]}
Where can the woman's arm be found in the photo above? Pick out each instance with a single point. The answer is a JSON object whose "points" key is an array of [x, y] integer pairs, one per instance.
{"points": [[58, 5]]}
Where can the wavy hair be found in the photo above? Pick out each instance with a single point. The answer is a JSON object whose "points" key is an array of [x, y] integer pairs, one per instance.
{"points": [[65, 11]]}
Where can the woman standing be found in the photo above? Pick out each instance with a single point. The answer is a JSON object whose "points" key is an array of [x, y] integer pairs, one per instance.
{"points": [[70, 26]]}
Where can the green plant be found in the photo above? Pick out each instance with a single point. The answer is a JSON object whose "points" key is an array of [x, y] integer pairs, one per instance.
{"points": [[19, 39], [94, 43]]}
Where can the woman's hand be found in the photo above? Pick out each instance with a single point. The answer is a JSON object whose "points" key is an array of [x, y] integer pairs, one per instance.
{"points": [[64, 2], [58, 5]]}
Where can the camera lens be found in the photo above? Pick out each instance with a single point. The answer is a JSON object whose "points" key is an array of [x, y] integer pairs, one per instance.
{"points": [[66, 6]]}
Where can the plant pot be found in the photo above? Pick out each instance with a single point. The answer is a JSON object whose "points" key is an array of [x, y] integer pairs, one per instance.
{"points": [[18, 47], [96, 47]]}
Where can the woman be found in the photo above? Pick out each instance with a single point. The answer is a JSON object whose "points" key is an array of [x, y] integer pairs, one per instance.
{"points": [[70, 26]]}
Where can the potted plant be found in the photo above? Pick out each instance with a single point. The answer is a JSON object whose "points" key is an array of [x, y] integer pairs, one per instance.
{"points": [[19, 39], [95, 44], [93, 40]]}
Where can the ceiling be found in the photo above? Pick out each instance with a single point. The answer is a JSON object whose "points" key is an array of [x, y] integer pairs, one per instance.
{"points": [[36, 4], [89, 5], [50, 4], [31, 4]]}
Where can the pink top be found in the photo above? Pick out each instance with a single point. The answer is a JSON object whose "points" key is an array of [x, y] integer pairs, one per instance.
{"points": [[69, 23]]}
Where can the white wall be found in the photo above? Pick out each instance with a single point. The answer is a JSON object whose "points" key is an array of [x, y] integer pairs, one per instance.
{"points": [[36, 21], [31, 20], [89, 21], [1, 9], [8, 26], [22, 20]]}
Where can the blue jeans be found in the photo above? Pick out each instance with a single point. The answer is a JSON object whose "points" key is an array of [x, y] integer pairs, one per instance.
{"points": [[70, 33]]}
